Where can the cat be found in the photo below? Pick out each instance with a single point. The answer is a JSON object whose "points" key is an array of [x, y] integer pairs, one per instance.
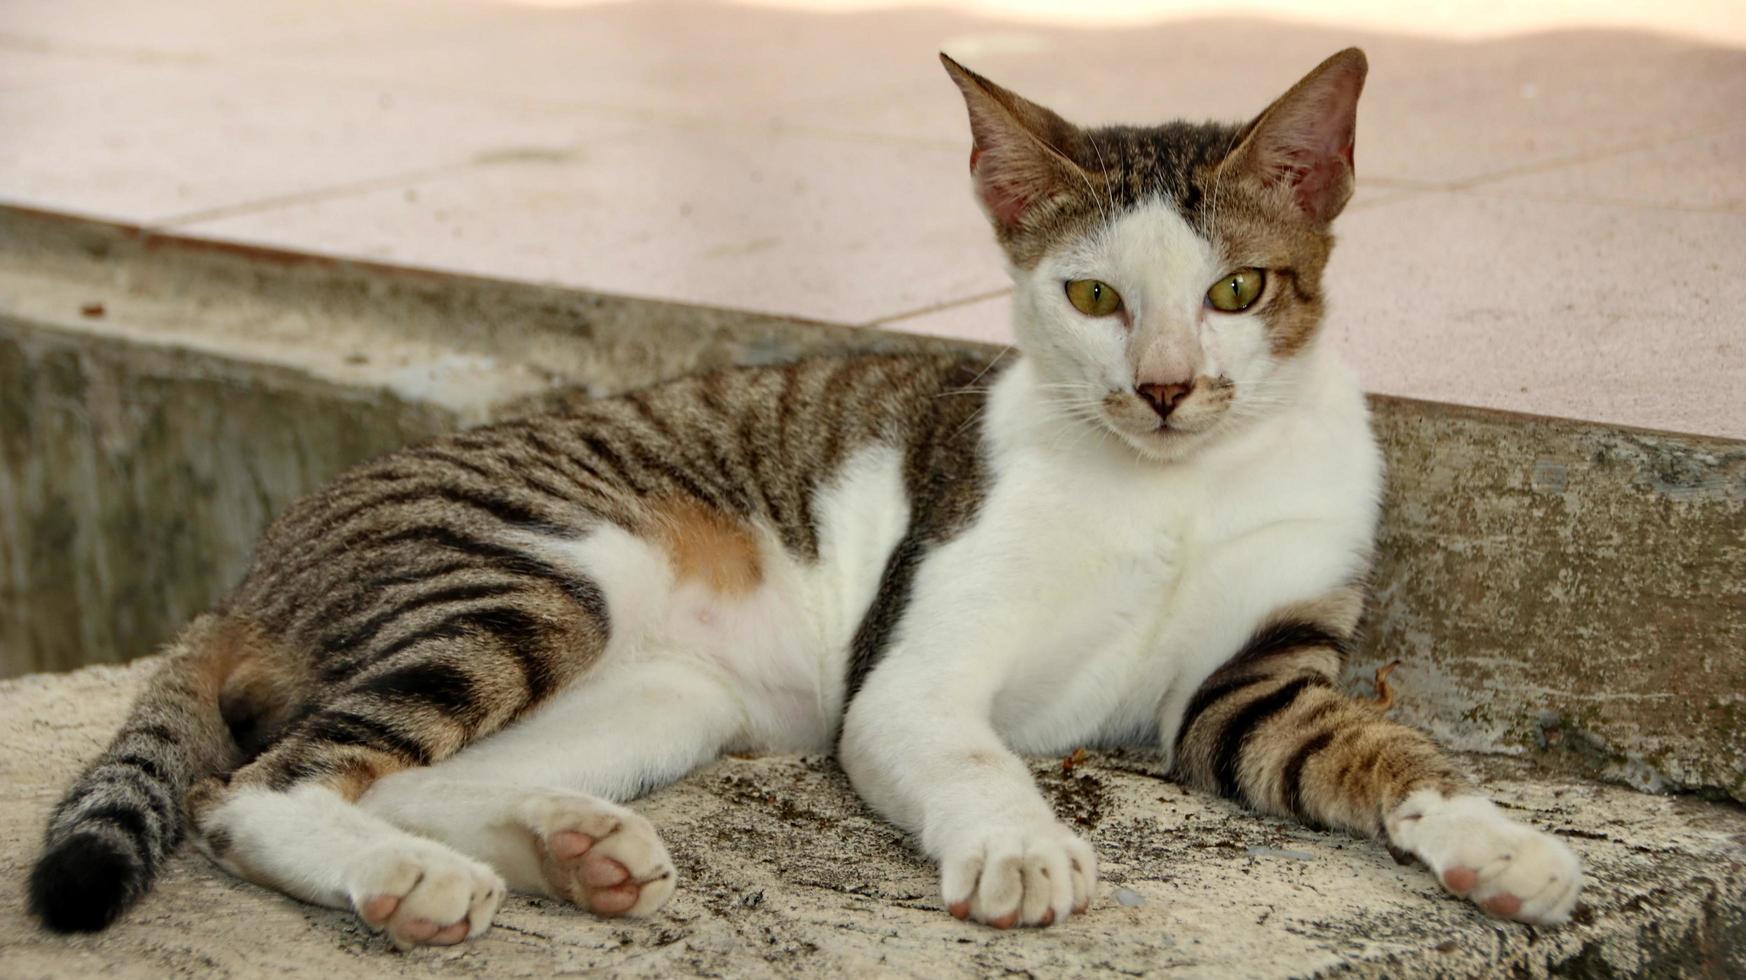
{"points": [[444, 673]]}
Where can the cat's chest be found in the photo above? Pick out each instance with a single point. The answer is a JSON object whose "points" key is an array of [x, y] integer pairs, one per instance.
{"points": [[1115, 596]]}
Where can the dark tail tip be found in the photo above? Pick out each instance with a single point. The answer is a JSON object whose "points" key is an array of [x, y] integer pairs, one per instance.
{"points": [[83, 882]]}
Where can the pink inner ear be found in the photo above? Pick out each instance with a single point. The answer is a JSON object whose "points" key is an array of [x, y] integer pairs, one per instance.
{"points": [[1315, 183], [1006, 201], [1313, 161]]}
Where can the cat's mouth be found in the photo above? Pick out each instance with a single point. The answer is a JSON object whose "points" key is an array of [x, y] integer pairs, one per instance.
{"points": [[1139, 425], [1133, 417]]}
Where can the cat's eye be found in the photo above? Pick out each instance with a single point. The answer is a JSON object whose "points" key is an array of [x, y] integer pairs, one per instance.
{"points": [[1092, 297], [1237, 291]]}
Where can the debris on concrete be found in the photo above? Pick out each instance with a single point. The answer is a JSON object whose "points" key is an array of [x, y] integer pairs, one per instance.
{"points": [[1278, 852]]}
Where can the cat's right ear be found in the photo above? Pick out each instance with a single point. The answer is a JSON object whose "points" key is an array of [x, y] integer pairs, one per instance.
{"points": [[1021, 154], [1302, 144]]}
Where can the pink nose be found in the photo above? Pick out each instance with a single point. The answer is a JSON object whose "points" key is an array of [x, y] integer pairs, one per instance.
{"points": [[1164, 397]]}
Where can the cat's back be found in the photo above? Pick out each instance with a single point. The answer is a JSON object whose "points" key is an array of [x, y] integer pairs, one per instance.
{"points": [[755, 444]]}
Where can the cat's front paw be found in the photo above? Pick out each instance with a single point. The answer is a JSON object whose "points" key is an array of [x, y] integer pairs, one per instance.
{"points": [[1024, 873], [598, 855], [1509, 869], [424, 894]]}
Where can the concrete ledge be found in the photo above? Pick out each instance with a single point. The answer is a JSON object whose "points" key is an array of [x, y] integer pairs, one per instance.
{"points": [[1558, 589], [786, 874], [1572, 591]]}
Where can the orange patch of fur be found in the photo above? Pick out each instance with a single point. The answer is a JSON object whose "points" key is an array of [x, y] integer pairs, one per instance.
{"points": [[707, 546]]}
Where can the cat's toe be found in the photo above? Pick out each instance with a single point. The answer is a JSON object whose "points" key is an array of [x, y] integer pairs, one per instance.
{"points": [[601, 856], [1034, 875], [1534, 879], [426, 895]]}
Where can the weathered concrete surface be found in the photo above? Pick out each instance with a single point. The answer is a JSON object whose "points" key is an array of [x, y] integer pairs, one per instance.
{"points": [[786, 874], [134, 479], [1573, 591]]}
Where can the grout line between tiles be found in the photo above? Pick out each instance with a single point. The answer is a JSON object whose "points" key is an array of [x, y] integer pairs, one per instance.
{"points": [[1728, 207], [1592, 156], [314, 195], [950, 304]]}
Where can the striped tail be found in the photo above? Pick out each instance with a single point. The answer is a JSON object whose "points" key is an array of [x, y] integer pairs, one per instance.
{"points": [[124, 815]]}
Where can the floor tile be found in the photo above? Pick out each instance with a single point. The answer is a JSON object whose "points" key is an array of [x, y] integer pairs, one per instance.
{"points": [[829, 229], [200, 31], [155, 143], [29, 69], [1706, 172], [1593, 311]]}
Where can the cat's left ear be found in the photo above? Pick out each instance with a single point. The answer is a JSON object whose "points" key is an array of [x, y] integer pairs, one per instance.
{"points": [[1304, 140], [1022, 158]]}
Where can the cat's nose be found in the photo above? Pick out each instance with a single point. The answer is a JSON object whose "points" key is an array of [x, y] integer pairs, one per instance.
{"points": [[1164, 397]]}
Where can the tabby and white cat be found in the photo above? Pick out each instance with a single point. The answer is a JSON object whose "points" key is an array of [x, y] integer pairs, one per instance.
{"points": [[445, 672]]}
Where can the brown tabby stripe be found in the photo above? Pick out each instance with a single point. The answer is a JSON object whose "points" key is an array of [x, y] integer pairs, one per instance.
{"points": [[1293, 773], [1268, 728], [1241, 726], [442, 686], [945, 480], [363, 632], [1249, 666]]}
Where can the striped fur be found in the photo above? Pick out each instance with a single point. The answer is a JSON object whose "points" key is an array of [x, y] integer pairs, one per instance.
{"points": [[1270, 729]]}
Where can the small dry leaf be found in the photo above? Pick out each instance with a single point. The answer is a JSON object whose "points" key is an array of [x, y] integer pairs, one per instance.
{"points": [[1384, 694]]}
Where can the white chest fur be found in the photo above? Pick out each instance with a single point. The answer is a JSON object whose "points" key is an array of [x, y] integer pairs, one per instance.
{"points": [[1119, 585]]}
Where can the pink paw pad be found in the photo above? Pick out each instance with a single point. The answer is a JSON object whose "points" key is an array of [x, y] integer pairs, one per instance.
{"points": [[604, 872], [614, 901], [594, 881], [419, 930], [567, 845], [1504, 905], [379, 910]]}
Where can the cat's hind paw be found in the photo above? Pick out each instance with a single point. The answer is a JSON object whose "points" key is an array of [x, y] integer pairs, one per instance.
{"points": [[598, 855], [1033, 874], [1509, 869], [424, 894]]}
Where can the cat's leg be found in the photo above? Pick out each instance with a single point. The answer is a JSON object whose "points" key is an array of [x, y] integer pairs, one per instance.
{"points": [[1270, 729], [536, 800], [288, 819], [920, 748], [313, 844]]}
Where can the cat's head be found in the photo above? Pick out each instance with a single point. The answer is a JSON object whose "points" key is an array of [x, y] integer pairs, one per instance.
{"points": [[1166, 278]]}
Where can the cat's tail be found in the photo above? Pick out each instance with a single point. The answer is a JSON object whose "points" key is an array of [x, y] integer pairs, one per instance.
{"points": [[124, 815]]}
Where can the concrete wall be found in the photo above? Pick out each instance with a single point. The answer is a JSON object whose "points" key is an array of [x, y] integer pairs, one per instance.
{"points": [[1568, 591], [1572, 591], [133, 480]]}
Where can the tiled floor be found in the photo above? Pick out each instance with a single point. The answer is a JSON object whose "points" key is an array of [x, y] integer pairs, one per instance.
{"points": [[1552, 222]]}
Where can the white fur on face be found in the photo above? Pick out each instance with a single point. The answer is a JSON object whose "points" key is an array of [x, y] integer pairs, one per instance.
{"points": [[1164, 334]]}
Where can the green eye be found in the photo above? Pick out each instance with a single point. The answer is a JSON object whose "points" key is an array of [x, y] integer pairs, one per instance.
{"points": [[1093, 298], [1237, 291]]}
